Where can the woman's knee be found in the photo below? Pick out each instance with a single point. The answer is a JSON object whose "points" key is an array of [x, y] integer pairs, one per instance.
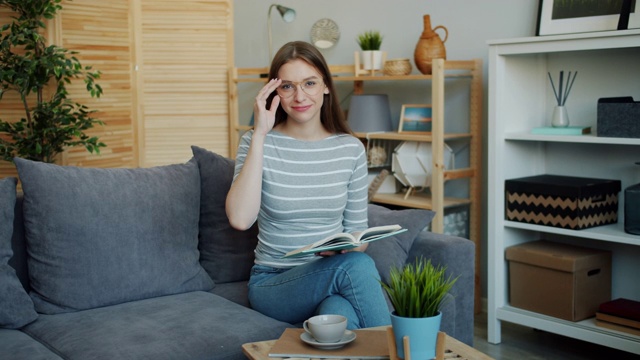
{"points": [[337, 304], [360, 263]]}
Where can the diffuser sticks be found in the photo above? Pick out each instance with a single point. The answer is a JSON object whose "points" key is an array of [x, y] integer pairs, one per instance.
{"points": [[564, 88]]}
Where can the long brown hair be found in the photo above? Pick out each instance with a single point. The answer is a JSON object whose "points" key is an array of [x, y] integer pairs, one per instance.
{"points": [[331, 115]]}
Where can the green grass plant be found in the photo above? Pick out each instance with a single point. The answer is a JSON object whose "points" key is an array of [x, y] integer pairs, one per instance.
{"points": [[370, 40], [418, 289]]}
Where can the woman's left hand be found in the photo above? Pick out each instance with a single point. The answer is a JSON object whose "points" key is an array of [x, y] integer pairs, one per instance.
{"points": [[360, 248]]}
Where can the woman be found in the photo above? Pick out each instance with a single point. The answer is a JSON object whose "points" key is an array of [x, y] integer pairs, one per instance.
{"points": [[303, 176]]}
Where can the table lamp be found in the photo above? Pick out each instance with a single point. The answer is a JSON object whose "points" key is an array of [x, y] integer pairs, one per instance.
{"points": [[369, 113], [287, 14]]}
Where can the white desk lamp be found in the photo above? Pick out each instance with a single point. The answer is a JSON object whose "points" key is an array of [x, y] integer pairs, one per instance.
{"points": [[287, 14]]}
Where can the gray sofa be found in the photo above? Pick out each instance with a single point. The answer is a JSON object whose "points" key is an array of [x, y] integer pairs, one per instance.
{"points": [[142, 264]]}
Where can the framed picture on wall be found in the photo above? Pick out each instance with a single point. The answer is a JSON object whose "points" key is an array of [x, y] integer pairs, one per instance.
{"points": [[415, 118], [576, 16]]}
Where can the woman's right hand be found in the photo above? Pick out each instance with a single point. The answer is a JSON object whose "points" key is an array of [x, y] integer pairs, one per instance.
{"points": [[265, 119]]}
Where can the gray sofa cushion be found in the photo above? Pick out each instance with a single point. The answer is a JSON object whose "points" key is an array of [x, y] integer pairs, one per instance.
{"points": [[226, 253], [395, 250], [238, 292], [16, 345], [195, 325], [16, 307], [100, 237]]}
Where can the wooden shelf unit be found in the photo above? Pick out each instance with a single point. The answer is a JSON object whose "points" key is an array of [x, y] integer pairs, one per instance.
{"points": [[442, 70], [521, 98]]}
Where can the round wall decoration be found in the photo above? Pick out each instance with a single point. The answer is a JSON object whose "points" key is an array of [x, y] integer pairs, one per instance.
{"points": [[325, 33]]}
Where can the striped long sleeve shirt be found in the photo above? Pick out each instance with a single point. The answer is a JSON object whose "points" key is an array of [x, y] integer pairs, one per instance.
{"points": [[310, 190]]}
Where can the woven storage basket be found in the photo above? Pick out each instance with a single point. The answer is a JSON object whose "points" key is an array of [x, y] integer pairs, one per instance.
{"points": [[397, 67]]}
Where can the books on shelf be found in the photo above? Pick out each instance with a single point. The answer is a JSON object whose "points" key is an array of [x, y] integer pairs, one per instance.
{"points": [[622, 308], [569, 130], [347, 241], [620, 315], [617, 327], [618, 320]]}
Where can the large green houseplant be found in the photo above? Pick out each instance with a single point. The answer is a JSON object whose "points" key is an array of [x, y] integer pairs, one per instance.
{"points": [[39, 74], [417, 292]]}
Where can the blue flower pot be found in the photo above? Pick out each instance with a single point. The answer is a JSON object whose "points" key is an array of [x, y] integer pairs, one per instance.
{"points": [[422, 332]]}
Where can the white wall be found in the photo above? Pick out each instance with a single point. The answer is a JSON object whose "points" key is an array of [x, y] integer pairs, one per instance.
{"points": [[470, 24]]}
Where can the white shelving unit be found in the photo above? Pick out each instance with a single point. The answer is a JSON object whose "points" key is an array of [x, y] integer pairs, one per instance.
{"points": [[520, 98]]}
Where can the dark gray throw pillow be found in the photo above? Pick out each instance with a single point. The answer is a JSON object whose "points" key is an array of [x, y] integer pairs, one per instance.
{"points": [[226, 253], [99, 237], [16, 307], [394, 250]]}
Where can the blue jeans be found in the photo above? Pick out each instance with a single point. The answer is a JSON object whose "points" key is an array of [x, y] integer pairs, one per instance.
{"points": [[345, 284]]}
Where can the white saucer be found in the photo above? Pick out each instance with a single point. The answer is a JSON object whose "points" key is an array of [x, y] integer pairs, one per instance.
{"points": [[348, 337]]}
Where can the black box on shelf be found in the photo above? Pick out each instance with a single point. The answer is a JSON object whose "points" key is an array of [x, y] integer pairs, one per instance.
{"points": [[619, 117], [562, 201], [564, 281]]}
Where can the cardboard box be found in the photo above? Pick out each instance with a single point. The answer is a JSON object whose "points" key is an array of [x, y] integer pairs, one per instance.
{"points": [[559, 280], [562, 201]]}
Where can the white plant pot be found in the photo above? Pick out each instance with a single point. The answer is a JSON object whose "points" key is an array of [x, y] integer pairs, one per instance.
{"points": [[372, 59]]}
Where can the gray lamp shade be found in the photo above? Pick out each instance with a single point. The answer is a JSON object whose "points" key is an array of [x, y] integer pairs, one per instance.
{"points": [[369, 113]]}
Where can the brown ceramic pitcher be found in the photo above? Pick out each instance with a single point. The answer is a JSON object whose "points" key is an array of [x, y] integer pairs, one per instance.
{"points": [[430, 46]]}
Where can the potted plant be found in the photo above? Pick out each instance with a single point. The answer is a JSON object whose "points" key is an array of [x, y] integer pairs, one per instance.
{"points": [[417, 292], [370, 42], [39, 73]]}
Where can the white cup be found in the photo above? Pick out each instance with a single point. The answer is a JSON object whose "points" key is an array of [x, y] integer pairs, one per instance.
{"points": [[326, 328]]}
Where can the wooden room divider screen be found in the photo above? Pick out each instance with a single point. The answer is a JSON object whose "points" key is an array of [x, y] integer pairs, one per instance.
{"points": [[164, 71]]}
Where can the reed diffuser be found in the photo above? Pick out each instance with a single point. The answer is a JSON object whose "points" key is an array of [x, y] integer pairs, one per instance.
{"points": [[560, 117]]}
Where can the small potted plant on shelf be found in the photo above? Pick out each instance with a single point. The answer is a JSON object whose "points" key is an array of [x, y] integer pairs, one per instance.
{"points": [[417, 291], [370, 42]]}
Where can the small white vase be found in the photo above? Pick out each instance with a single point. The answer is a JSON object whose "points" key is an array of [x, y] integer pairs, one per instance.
{"points": [[560, 118], [372, 59]]}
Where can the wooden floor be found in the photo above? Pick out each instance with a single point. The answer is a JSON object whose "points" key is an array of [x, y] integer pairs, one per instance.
{"points": [[522, 343]]}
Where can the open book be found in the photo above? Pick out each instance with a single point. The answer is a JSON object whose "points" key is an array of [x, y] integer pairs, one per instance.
{"points": [[344, 241]]}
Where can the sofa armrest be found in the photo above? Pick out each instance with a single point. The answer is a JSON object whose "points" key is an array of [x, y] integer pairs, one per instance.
{"points": [[458, 255]]}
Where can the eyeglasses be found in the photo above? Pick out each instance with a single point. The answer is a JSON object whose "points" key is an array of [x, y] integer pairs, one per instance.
{"points": [[288, 88]]}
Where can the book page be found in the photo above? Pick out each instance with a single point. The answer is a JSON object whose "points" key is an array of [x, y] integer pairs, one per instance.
{"points": [[347, 241], [341, 240], [375, 232]]}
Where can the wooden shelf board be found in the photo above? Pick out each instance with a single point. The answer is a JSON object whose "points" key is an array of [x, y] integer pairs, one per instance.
{"points": [[393, 77], [416, 200], [463, 69], [391, 135], [409, 136], [253, 78]]}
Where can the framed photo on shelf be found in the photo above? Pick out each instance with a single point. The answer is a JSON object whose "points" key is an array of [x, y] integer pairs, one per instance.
{"points": [[415, 118], [576, 16]]}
